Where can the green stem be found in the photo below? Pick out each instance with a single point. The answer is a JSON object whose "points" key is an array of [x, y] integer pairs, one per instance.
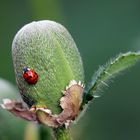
{"points": [[61, 133]]}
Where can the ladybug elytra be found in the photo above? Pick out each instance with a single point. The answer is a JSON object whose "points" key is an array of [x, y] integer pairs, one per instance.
{"points": [[30, 76]]}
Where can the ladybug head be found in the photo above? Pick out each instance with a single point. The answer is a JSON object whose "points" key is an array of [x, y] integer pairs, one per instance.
{"points": [[25, 69]]}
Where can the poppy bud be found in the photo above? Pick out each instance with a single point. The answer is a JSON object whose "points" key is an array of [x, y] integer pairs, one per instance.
{"points": [[47, 48]]}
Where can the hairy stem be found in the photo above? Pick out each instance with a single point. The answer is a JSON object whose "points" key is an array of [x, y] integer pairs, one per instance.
{"points": [[61, 134]]}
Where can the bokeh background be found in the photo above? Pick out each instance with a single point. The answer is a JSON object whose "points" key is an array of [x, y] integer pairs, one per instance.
{"points": [[101, 30]]}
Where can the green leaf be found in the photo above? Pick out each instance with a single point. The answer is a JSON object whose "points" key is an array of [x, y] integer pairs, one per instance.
{"points": [[7, 90], [108, 71]]}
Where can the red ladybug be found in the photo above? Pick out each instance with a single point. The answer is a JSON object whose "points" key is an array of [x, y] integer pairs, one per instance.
{"points": [[30, 76]]}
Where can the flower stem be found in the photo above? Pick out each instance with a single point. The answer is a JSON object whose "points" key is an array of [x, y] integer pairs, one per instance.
{"points": [[61, 133]]}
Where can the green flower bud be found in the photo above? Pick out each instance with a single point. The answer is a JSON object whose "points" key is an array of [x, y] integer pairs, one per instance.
{"points": [[47, 48]]}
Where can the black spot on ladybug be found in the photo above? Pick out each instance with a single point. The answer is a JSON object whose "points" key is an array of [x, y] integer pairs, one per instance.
{"points": [[30, 76]]}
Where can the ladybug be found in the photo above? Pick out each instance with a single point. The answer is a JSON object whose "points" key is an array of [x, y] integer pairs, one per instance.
{"points": [[30, 76]]}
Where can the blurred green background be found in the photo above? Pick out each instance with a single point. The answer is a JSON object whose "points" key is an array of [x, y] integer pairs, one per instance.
{"points": [[101, 30]]}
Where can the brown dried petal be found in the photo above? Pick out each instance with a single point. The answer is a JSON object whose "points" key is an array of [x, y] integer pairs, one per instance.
{"points": [[18, 109], [70, 103]]}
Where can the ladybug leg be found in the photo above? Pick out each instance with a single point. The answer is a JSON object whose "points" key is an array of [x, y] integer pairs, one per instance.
{"points": [[18, 109]]}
